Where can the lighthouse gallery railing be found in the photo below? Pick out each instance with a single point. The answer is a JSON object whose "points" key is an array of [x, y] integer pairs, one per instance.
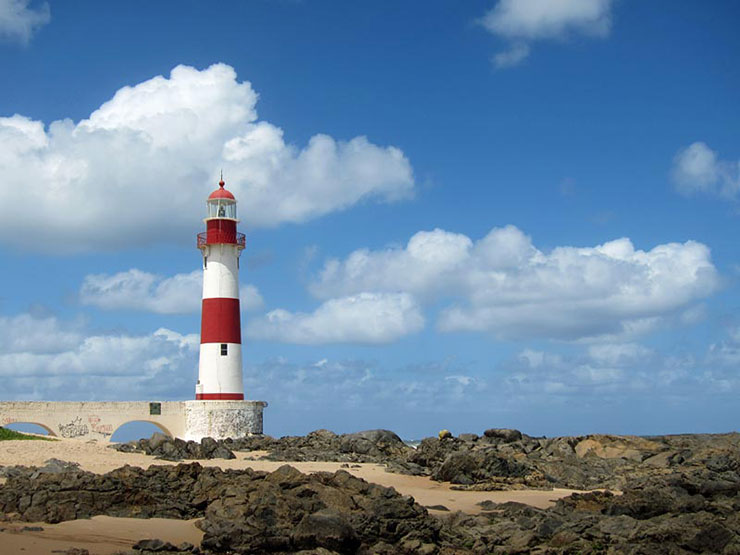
{"points": [[216, 236]]}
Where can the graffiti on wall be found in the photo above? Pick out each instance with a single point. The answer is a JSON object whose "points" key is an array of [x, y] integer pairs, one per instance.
{"points": [[8, 420], [74, 429], [97, 427]]}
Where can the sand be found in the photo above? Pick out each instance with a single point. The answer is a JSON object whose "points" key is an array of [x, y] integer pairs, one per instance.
{"points": [[99, 535], [105, 535]]}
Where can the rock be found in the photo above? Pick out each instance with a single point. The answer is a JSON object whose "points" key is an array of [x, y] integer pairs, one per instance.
{"points": [[613, 447], [325, 528], [149, 545], [323, 435], [373, 442], [660, 460], [468, 437], [476, 466], [156, 546], [687, 503], [157, 440], [208, 446], [221, 452], [55, 466], [168, 451], [503, 434], [436, 508]]}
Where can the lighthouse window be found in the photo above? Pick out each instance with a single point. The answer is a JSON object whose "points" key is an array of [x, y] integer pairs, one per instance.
{"points": [[224, 349], [222, 208]]}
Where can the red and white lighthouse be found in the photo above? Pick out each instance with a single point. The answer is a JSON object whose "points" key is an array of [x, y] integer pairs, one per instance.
{"points": [[220, 366]]}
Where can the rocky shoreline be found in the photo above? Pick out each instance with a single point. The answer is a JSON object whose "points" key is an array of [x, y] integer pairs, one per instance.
{"points": [[497, 459], [674, 494]]}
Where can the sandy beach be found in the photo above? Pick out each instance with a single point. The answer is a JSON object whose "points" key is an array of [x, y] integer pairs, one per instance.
{"points": [[105, 535]]}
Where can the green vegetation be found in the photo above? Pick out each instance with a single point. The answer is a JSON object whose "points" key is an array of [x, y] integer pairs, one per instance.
{"points": [[6, 435]]}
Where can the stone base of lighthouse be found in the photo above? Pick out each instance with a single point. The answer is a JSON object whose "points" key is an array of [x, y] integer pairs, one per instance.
{"points": [[222, 419], [99, 420]]}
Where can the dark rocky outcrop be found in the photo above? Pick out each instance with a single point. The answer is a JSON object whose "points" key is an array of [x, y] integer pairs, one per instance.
{"points": [[173, 449], [691, 506], [373, 446], [241, 511], [498, 459]]}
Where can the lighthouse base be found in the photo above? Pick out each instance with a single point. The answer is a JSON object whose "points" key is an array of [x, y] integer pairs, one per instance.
{"points": [[222, 419], [100, 420]]}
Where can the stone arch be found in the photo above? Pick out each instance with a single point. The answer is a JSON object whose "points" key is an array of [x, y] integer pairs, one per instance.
{"points": [[49, 430], [158, 425]]}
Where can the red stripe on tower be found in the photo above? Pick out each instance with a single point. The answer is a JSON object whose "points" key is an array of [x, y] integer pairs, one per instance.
{"points": [[219, 396], [220, 321]]}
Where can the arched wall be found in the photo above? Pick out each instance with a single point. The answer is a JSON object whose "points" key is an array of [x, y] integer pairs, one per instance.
{"points": [[99, 420]]}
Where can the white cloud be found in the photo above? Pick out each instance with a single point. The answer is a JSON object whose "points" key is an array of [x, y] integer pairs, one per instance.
{"points": [[138, 170], [364, 318], [137, 290], [511, 57], [112, 367], [18, 22], [523, 21], [618, 353], [504, 285], [426, 265], [555, 374], [24, 332], [625, 371], [698, 169]]}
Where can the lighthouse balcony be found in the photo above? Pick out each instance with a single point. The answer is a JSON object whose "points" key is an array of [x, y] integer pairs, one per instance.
{"points": [[221, 236]]}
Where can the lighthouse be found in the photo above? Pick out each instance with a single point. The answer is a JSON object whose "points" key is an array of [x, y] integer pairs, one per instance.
{"points": [[220, 364]]}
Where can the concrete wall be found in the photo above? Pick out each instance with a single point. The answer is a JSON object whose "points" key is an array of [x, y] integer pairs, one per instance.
{"points": [[99, 420]]}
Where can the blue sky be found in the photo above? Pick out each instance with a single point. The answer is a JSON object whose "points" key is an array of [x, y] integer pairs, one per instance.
{"points": [[460, 215]]}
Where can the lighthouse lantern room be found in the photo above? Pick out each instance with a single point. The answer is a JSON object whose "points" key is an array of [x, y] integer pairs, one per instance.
{"points": [[220, 365]]}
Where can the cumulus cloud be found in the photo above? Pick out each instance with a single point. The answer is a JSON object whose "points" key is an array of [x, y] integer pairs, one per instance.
{"points": [[371, 318], [18, 21], [102, 366], [137, 171], [524, 21], [504, 285], [24, 332], [137, 290], [698, 169]]}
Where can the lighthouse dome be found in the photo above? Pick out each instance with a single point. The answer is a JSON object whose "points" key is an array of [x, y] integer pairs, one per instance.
{"points": [[221, 203], [221, 192]]}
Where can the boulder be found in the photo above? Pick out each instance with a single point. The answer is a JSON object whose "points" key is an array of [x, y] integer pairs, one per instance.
{"points": [[156, 440], [477, 466], [503, 434], [328, 529], [468, 437]]}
